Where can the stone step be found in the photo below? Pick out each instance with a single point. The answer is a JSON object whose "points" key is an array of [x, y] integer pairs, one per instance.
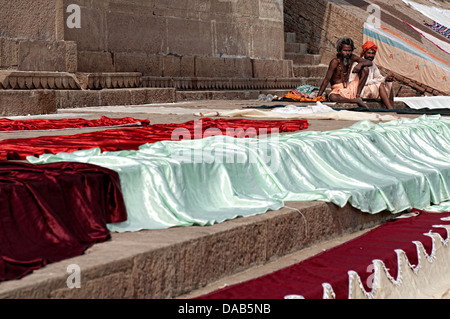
{"points": [[301, 59], [310, 70], [226, 94], [246, 94], [27, 102], [35, 102], [111, 97], [301, 48], [290, 37]]}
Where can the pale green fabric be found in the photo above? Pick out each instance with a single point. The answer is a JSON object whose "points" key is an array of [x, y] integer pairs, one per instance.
{"points": [[440, 208], [392, 166]]}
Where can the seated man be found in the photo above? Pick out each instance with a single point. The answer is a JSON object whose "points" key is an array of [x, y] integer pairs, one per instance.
{"points": [[344, 88], [377, 86]]}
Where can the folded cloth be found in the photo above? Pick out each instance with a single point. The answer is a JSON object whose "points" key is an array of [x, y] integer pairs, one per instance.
{"points": [[294, 97], [53, 212], [349, 91]]}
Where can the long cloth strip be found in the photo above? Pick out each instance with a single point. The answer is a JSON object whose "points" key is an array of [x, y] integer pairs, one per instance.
{"points": [[443, 45], [56, 124], [426, 102], [343, 115], [132, 138], [336, 272], [53, 212], [392, 166]]}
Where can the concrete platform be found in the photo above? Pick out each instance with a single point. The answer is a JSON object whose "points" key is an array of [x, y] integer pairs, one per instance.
{"points": [[185, 262]]}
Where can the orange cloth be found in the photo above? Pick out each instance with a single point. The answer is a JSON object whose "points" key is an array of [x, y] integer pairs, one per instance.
{"points": [[367, 46], [298, 98], [349, 92]]}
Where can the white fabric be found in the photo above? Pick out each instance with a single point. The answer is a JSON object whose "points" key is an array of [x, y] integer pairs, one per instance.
{"points": [[310, 115], [422, 102], [428, 279], [310, 109], [441, 16], [444, 46], [431, 275]]}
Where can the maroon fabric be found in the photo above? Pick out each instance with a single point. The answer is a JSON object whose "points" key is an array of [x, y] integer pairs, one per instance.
{"points": [[132, 138], [53, 212], [47, 124], [332, 266]]}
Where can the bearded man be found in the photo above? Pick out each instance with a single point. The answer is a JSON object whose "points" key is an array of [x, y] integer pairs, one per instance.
{"points": [[377, 86], [346, 89]]}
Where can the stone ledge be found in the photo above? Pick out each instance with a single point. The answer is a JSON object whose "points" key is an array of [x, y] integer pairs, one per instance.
{"points": [[24, 80], [28, 80], [98, 81], [204, 83], [27, 102]]}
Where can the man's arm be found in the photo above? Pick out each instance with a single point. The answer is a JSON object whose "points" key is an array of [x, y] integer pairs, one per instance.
{"points": [[331, 68], [361, 63]]}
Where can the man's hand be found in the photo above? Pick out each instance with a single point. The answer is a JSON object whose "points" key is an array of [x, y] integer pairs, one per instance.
{"points": [[390, 77]]}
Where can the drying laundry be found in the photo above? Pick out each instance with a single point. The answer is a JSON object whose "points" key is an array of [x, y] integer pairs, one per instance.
{"points": [[317, 111], [54, 212], [132, 138], [439, 28], [444, 46], [426, 102], [394, 166], [439, 15], [303, 93], [407, 59], [397, 256]]}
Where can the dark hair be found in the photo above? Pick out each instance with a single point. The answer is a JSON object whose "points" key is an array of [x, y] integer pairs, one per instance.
{"points": [[341, 42]]}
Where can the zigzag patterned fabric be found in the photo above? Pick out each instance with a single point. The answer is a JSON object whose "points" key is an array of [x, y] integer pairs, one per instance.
{"points": [[439, 28]]}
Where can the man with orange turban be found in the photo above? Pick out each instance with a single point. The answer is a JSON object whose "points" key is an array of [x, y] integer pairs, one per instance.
{"points": [[368, 46], [377, 86]]}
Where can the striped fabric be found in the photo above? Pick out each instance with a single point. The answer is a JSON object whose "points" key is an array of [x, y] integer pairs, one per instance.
{"points": [[439, 28]]}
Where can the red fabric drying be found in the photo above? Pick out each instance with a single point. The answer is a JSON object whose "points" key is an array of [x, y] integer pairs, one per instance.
{"points": [[53, 212], [132, 138], [332, 266]]}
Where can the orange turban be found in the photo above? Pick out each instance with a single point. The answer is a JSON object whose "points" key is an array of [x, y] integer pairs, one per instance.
{"points": [[367, 46]]}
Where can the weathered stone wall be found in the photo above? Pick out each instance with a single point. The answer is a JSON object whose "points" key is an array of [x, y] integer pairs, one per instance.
{"points": [[31, 37], [178, 37], [171, 38], [320, 24]]}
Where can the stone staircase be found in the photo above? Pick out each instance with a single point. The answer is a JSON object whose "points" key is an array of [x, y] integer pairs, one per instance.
{"points": [[307, 67], [28, 92]]}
